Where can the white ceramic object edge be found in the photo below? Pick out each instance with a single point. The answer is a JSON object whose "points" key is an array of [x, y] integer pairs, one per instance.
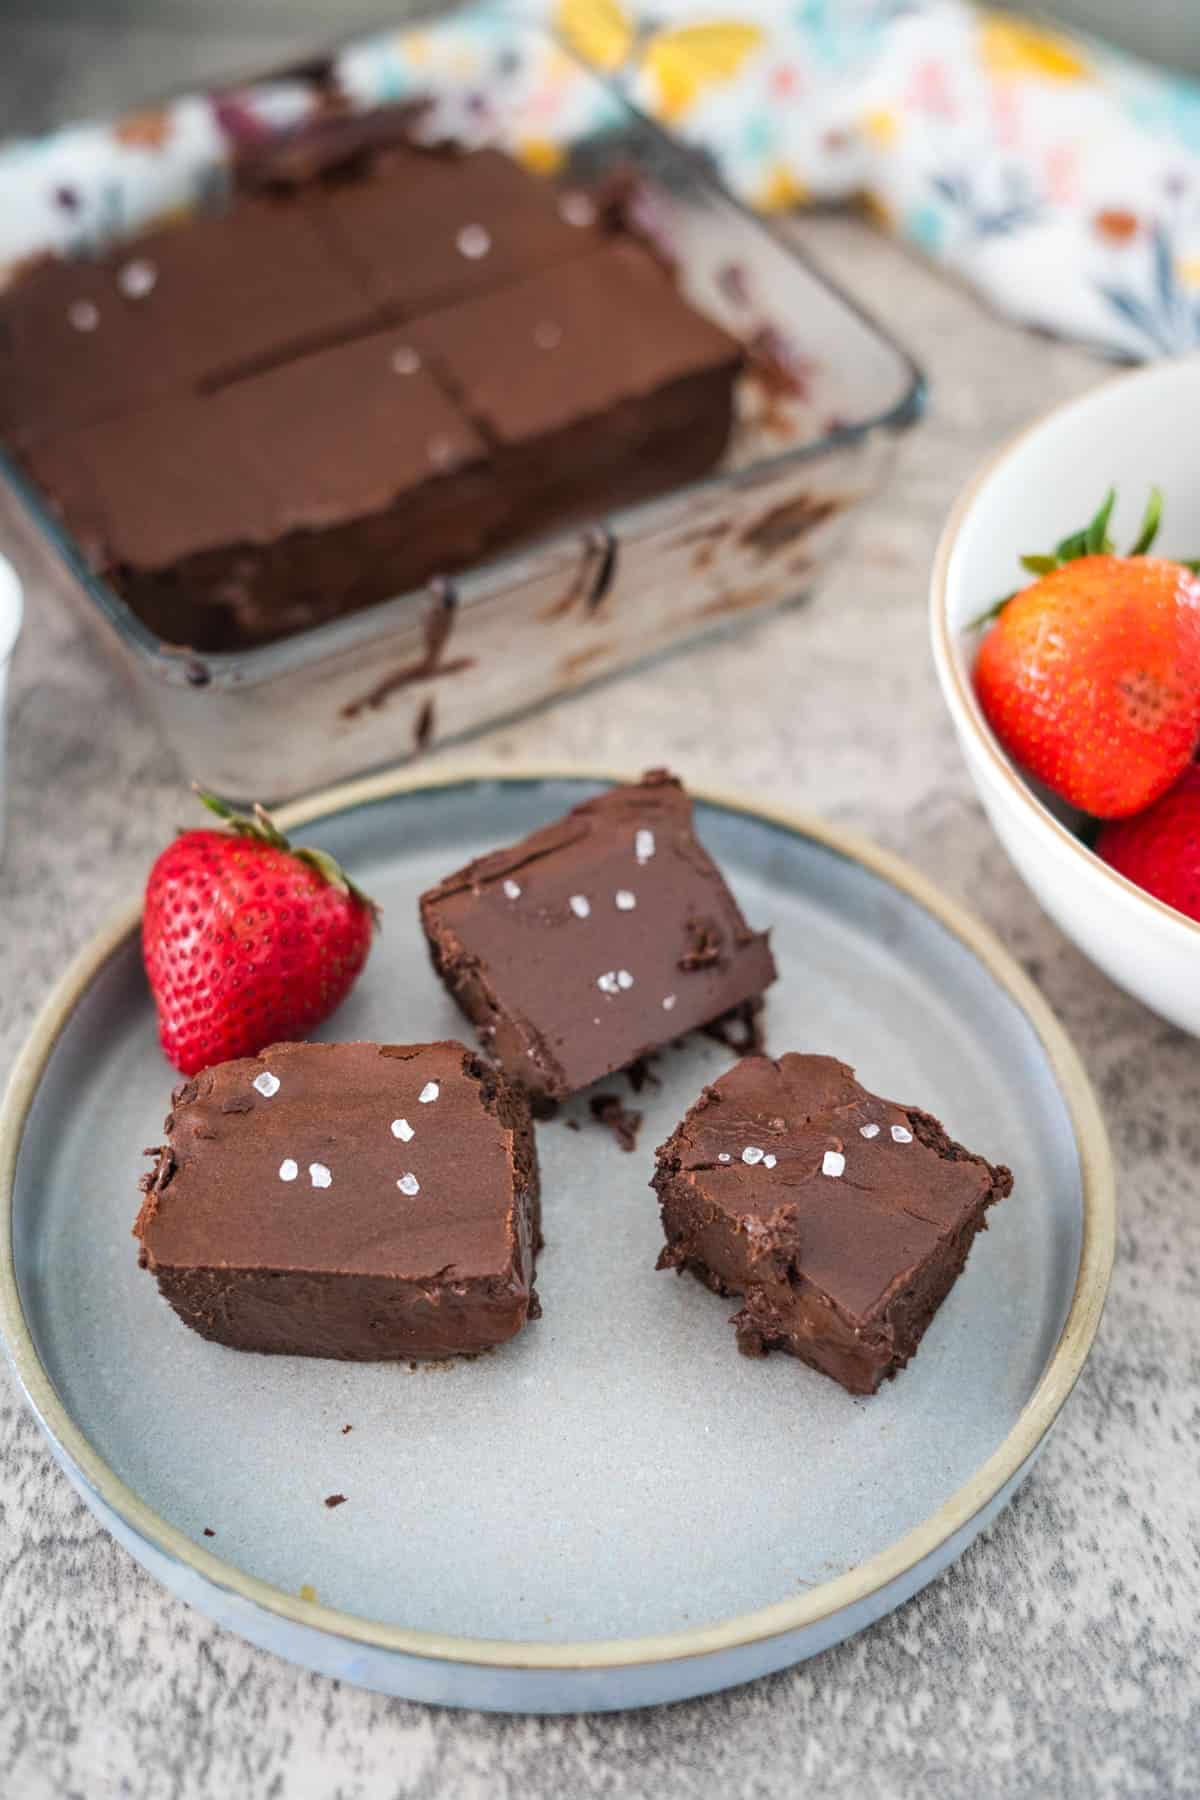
{"points": [[12, 612]]}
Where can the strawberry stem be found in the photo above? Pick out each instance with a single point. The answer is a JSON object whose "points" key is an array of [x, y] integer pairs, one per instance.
{"points": [[261, 828]]}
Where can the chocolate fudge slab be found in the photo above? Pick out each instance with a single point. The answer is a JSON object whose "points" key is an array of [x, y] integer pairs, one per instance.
{"points": [[432, 227], [248, 288], [180, 309], [842, 1219], [74, 350], [595, 940], [314, 489], [357, 1201], [596, 380]]}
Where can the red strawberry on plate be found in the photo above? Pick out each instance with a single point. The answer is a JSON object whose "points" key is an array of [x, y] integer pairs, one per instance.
{"points": [[247, 941], [1090, 677], [1160, 849]]}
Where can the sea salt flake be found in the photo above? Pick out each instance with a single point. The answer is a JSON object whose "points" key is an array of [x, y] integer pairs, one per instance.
{"points": [[833, 1163], [607, 983], [580, 905], [405, 360], [624, 979], [724, 1156], [319, 1175], [84, 315], [625, 900], [512, 890], [267, 1084], [429, 1092], [441, 452], [752, 1154], [547, 335], [868, 1131], [769, 1161], [576, 209], [901, 1134], [408, 1184], [137, 278], [288, 1169], [473, 242], [643, 845], [668, 1002], [403, 1130]]}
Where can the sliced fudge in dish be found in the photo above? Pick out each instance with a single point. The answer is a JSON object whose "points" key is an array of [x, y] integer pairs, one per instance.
{"points": [[595, 380], [176, 310], [311, 490], [595, 940], [430, 228], [359, 1201], [842, 1219]]}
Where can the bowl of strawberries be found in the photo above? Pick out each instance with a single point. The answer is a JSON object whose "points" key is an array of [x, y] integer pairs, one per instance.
{"points": [[1066, 635]]}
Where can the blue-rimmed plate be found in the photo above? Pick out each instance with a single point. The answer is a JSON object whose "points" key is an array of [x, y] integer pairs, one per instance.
{"points": [[616, 1509]]}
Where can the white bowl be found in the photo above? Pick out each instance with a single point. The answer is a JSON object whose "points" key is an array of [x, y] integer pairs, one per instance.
{"points": [[1132, 433]]}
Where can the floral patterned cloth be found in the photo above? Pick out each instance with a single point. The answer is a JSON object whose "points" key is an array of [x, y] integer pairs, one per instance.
{"points": [[1061, 178]]}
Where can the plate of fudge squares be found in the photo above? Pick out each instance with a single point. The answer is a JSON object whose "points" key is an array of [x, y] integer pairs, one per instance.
{"points": [[666, 1260]]}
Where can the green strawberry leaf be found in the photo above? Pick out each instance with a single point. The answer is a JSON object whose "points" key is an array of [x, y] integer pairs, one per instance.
{"points": [[1151, 520], [1093, 540], [261, 828]]}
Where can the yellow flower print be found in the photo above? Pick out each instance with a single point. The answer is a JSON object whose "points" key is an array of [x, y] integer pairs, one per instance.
{"points": [[1012, 49], [686, 61], [541, 155], [881, 127], [1187, 268], [599, 30], [782, 190], [878, 210], [144, 130]]}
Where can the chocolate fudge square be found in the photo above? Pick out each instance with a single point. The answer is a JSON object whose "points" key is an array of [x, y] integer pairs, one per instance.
{"points": [[842, 1219], [595, 940], [433, 227], [596, 381], [357, 1201], [179, 309], [74, 350], [248, 288], [314, 489]]}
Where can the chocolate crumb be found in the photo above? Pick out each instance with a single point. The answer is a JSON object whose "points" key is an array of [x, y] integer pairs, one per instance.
{"points": [[641, 1074], [705, 946], [332, 1500], [209, 1532], [237, 1103], [739, 1030], [346, 1428], [572, 1125], [623, 1123]]}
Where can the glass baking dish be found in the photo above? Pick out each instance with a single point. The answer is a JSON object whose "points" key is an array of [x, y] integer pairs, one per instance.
{"points": [[825, 396]]}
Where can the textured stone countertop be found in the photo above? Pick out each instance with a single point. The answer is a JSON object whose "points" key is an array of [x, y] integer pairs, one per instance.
{"points": [[1060, 1656]]}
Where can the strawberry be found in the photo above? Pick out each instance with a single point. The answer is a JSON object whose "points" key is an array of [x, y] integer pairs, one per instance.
{"points": [[1090, 677], [247, 941], [1160, 850]]}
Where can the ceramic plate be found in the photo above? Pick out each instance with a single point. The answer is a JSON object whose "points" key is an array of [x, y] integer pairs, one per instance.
{"points": [[616, 1508]]}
